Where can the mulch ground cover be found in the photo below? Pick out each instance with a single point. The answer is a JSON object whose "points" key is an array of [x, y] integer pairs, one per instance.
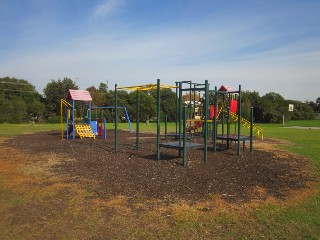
{"points": [[137, 174]]}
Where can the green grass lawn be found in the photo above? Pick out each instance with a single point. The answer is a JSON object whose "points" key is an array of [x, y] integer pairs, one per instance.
{"points": [[269, 221], [302, 141], [307, 123], [7, 129]]}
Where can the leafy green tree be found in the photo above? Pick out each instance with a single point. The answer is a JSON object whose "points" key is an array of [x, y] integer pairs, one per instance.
{"points": [[19, 101], [272, 107], [13, 87], [302, 111], [103, 87], [36, 110], [16, 111], [54, 92], [123, 98], [252, 99], [108, 100], [20, 109], [147, 106], [8, 108], [4, 108], [167, 103], [315, 105], [98, 98], [123, 101]]}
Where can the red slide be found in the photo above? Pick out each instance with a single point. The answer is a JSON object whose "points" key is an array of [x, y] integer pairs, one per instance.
{"points": [[195, 127]]}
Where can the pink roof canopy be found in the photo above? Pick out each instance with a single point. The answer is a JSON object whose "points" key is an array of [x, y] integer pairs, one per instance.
{"points": [[226, 88], [79, 95]]}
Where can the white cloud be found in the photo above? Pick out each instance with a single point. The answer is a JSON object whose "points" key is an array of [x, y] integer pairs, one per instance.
{"points": [[107, 7]]}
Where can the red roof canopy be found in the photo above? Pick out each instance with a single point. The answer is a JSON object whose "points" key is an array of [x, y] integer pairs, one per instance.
{"points": [[79, 95], [226, 88]]}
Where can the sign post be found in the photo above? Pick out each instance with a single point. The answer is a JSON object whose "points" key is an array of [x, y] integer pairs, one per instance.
{"points": [[283, 116], [290, 107], [290, 110]]}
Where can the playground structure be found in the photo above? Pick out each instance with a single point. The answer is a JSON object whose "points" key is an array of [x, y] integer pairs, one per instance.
{"points": [[79, 120], [216, 107], [229, 111]]}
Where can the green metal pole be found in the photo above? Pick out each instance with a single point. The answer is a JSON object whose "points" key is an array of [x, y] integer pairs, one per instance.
{"points": [[83, 112], [194, 104], [228, 128], [90, 111], [235, 128], [138, 119], [180, 114], [210, 128], [116, 119], [184, 136], [206, 121], [251, 131], [215, 120], [166, 127], [158, 119], [190, 99], [223, 114], [239, 119], [177, 106]]}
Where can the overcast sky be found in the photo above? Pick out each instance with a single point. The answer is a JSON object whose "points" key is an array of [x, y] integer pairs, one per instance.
{"points": [[266, 46]]}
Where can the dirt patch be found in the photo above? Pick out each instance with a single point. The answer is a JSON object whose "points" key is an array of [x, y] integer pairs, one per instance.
{"points": [[137, 176]]}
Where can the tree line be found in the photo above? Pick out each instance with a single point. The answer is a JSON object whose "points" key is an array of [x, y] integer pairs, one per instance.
{"points": [[21, 103]]}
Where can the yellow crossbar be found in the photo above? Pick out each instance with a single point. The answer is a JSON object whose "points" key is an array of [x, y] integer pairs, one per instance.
{"points": [[146, 87], [84, 131]]}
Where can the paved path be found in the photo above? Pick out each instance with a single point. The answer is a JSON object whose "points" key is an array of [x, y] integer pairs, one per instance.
{"points": [[313, 128]]}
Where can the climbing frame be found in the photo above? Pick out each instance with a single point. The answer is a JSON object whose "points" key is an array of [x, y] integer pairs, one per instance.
{"points": [[84, 131]]}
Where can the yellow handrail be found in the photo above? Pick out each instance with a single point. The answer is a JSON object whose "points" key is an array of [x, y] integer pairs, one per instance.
{"points": [[257, 130], [63, 103]]}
